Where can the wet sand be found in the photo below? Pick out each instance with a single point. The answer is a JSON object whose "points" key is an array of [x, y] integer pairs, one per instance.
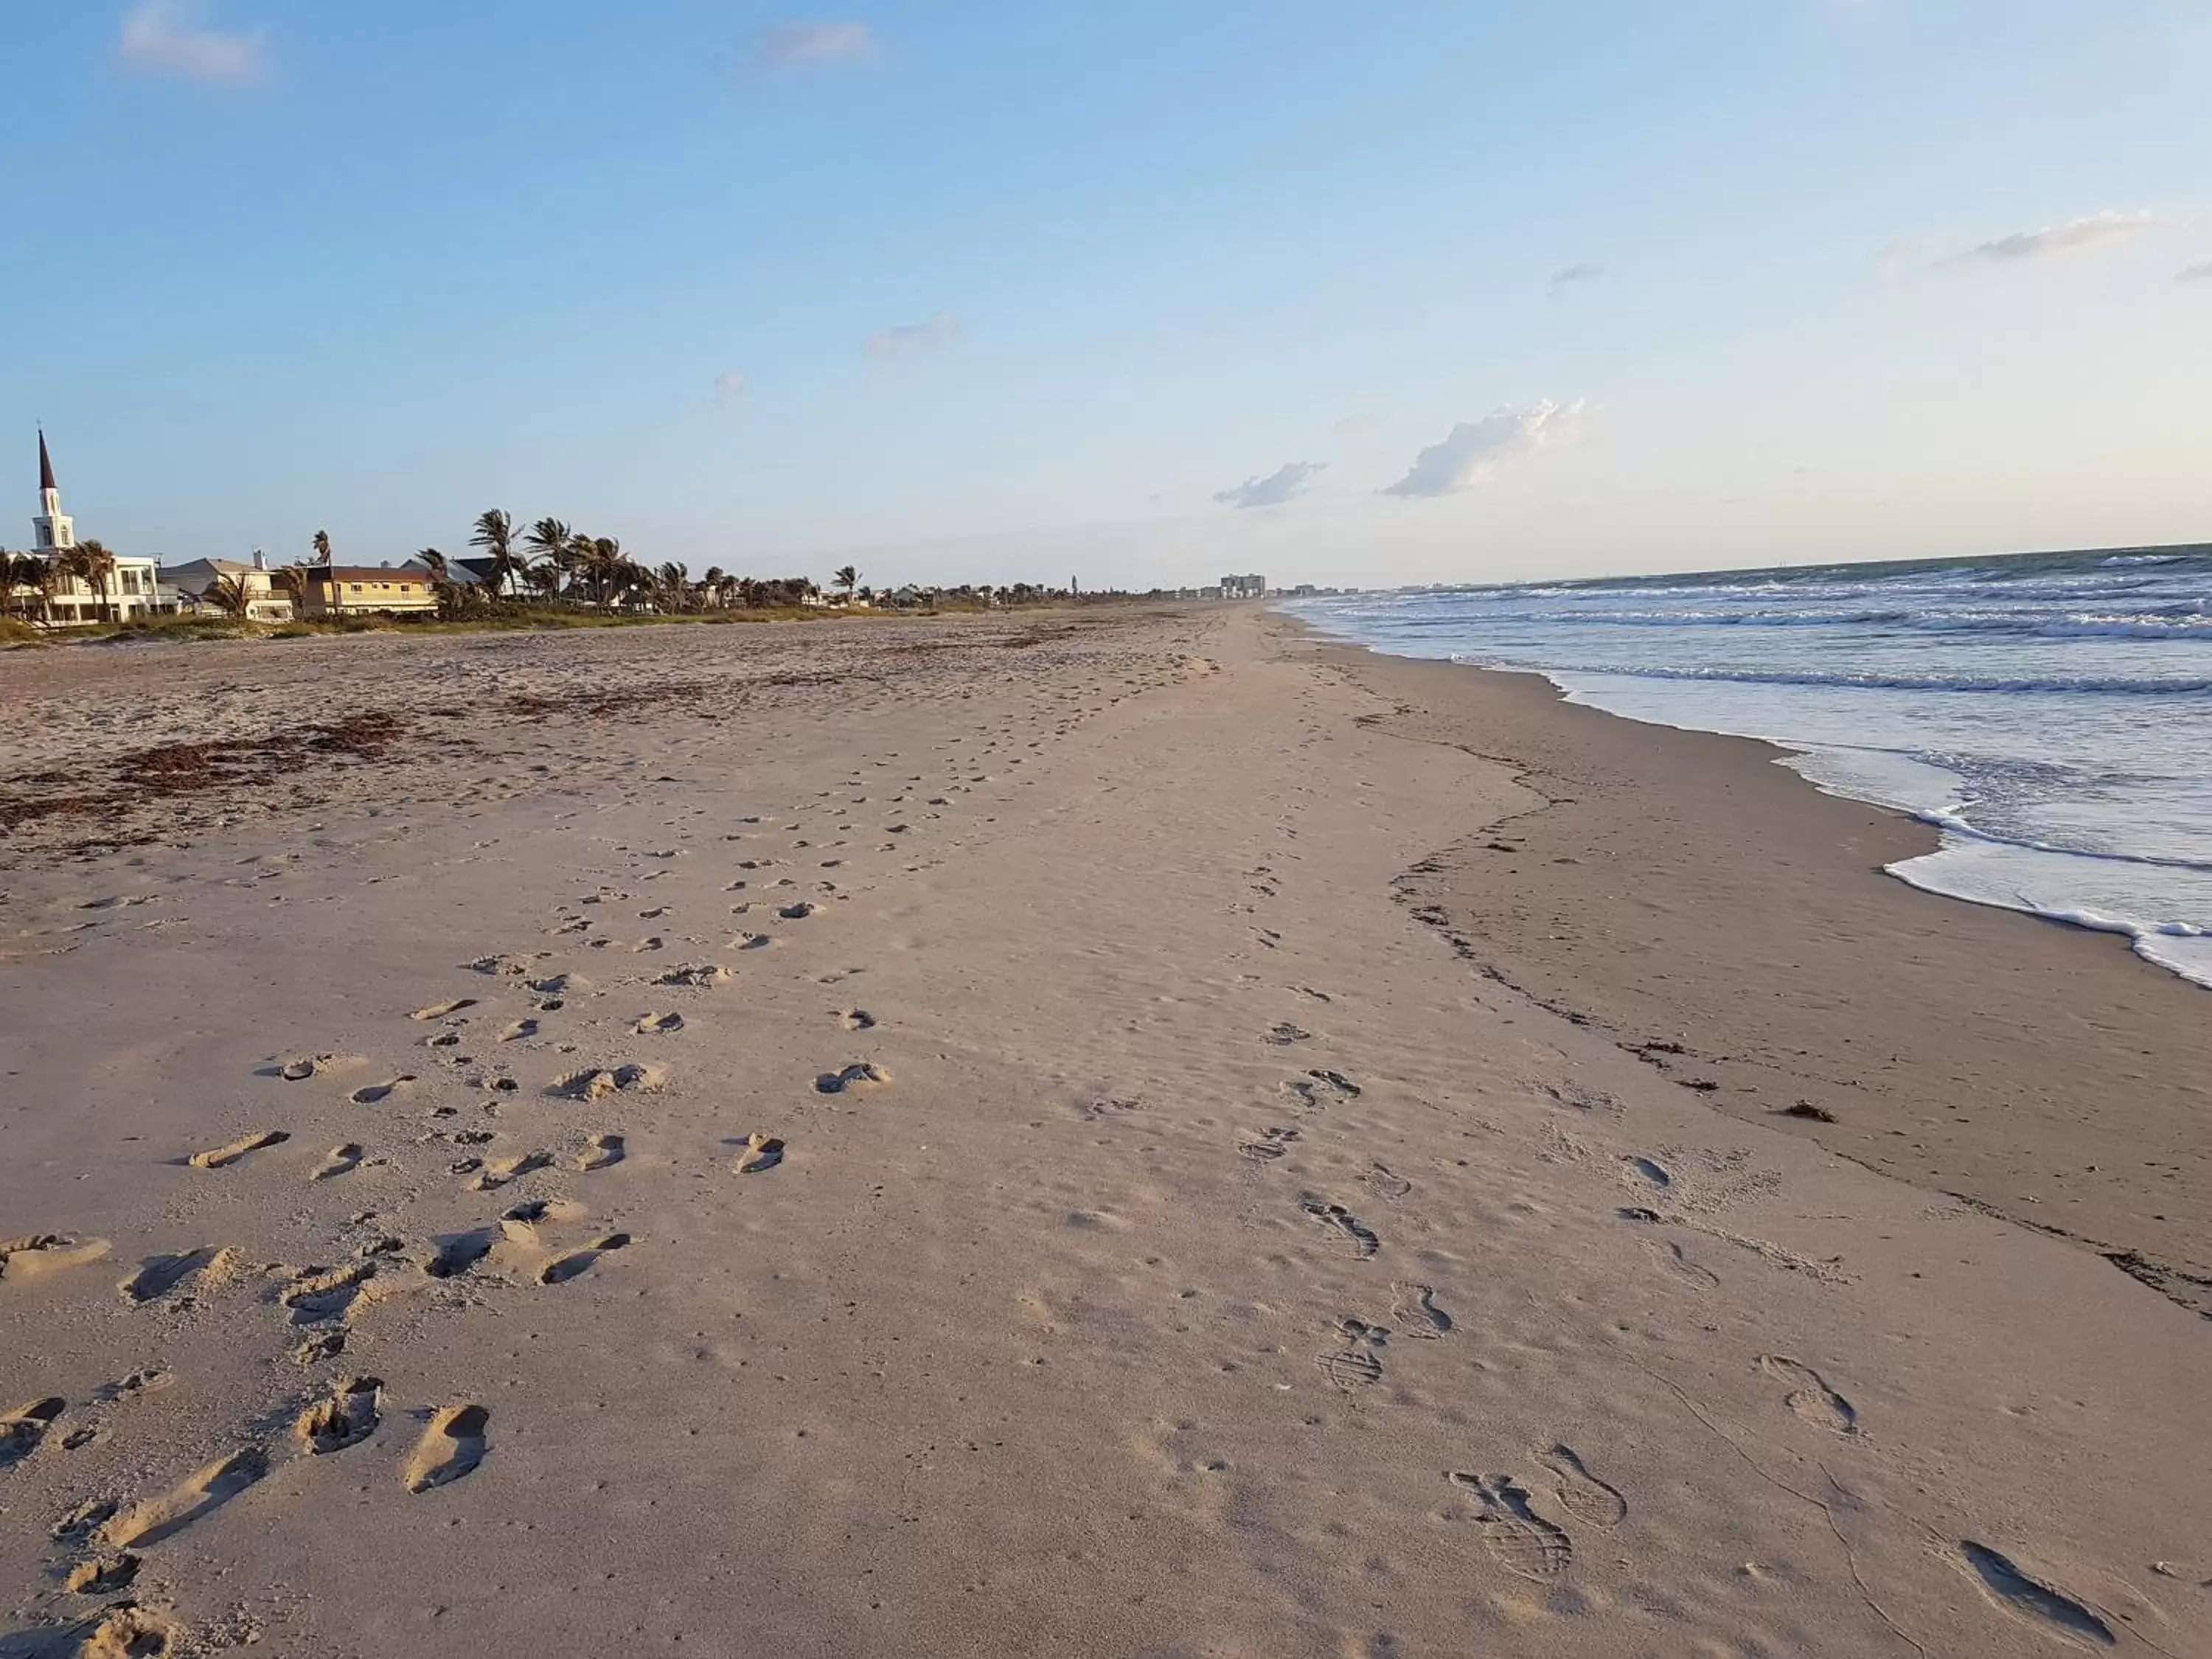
{"points": [[984, 1137], [1734, 929]]}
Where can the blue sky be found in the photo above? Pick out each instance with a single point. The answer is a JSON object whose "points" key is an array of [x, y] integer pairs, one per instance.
{"points": [[1140, 293]]}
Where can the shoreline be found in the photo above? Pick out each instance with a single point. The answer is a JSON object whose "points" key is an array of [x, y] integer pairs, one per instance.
{"points": [[1749, 918]]}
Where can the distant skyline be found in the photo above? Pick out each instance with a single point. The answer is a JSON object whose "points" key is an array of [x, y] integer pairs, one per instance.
{"points": [[980, 292]]}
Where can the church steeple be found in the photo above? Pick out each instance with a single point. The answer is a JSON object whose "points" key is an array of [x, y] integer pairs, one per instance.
{"points": [[55, 529]]}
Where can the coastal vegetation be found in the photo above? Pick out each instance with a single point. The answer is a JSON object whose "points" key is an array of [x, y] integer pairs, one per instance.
{"points": [[547, 575]]}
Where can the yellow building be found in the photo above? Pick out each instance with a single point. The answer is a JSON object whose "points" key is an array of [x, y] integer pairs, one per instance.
{"points": [[346, 590]]}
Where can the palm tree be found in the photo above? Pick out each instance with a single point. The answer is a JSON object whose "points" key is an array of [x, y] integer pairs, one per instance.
{"points": [[453, 595], [672, 584], [848, 579], [231, 595], [24, 571], [93, 562], [548, 541], [292, 580], [322, 547], [604, 562], [495, 534]]}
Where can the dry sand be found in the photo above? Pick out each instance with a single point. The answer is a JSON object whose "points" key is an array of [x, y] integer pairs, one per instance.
{"points": [[983, 1137]]}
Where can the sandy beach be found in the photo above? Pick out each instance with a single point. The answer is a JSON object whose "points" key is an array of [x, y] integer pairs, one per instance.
{"points": [[1113, 1131]]}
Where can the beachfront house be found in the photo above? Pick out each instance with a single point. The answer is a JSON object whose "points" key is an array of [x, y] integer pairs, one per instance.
{"points": [[194, 586], [350, 590], [1243, 587]]}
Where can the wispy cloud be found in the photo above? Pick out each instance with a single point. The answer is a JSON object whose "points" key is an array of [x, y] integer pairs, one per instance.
{"points": [[1895, 259], [1473, 450], [729, 383], [788, 45], [942, 329], [1286, 485], [2197, 273], [2091, 231], [1575, 275], [166, 36]]}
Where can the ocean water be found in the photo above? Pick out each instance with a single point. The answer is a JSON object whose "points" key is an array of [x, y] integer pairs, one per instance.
{"points": [[2050, 713]]}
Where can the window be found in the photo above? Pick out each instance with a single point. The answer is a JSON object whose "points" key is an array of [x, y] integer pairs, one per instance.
{"points": [[355, 586]]}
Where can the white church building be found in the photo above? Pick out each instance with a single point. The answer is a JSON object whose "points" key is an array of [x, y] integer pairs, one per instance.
{"points": [[74, 587]]}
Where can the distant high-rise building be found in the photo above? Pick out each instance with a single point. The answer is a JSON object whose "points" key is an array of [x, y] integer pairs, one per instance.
{"points": [[1243, 587]]}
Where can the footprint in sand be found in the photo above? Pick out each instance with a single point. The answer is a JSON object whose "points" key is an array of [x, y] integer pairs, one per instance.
{"points": [[346, 1419], [561, 985], [658, 1024], [1317, 1091], [501, 1171], [376, 1093], [1285, 1034], [450, 1448], [1353, 1237], [2030, 1599], [1417, 1313], [1810, 1397], [105, 1575], [459, 1252], [318, 1294], [1360, 1363], [1580, 1493], [697, 976], [603, 1151], [798, 912], [158, 1275], [440, 1010], [1676, 1260], [862, 1075], [1268, 1146], [208, 1490], [307, 1065], [342, 1160], [22, 1429], [519, 1030], [578, 1262], [1380, 1180], [30, 1255], [127, 1631], [1648, 1172], [496, 966], [595, 1082], [1519, 1540], [221, 1158], [761, 1153], [856, 1019]]}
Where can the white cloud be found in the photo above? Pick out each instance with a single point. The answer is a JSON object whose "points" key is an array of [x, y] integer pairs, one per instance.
{"points": [[1471, 450], [942, 329], [166, 36], [786, 45], [2108, 226], [1286, 485], [2197, 273], [729, 383]]}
